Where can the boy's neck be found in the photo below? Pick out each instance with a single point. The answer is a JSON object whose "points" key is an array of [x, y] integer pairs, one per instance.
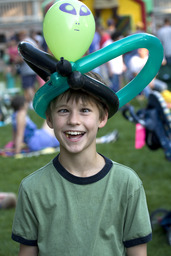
{"points": [[82, 166]]}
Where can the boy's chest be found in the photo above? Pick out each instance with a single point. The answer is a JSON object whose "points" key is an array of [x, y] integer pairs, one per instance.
{"points": [[83, 215]]}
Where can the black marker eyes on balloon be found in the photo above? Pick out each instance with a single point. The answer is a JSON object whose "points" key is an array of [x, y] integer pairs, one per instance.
{"points": [[68, 8], [84, 11]]}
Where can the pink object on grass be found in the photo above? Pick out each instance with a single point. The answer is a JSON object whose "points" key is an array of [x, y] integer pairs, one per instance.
{"points": [[9, 144], [139, 136]]}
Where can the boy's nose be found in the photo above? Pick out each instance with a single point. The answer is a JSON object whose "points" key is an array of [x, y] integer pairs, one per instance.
{"points": [[74, 118]]}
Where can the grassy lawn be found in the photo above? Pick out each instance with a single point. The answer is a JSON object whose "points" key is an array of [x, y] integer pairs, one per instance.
{"points": [[151, 166]]}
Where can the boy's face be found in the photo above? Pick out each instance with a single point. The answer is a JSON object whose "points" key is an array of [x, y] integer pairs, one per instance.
{"points": [[75, 124]]}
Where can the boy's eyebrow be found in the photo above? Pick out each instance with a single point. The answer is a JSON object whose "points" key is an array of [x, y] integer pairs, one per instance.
{"points": [[60, 105], [66, 105]]}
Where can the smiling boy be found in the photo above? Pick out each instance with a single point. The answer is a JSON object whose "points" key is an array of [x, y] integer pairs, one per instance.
{"points": [[81, 203], [76, 119]]}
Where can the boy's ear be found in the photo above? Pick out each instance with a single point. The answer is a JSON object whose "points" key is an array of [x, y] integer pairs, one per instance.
{"points": [[104, 120], [49, 121]]}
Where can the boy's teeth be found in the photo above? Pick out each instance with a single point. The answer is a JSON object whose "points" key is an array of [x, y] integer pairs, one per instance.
{"points": [[74, 133]]}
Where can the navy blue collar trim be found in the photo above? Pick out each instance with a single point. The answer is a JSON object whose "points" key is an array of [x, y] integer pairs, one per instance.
{"points": [[81, 180]]}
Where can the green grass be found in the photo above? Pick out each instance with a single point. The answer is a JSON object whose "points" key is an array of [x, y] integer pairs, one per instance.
{"points": [[151, 166]]}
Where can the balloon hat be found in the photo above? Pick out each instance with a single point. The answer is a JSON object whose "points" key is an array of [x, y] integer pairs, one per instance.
{"points": [[68, 29]]}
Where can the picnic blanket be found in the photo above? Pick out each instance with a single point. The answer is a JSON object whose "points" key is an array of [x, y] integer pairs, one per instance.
{"points": [[4, 152]]}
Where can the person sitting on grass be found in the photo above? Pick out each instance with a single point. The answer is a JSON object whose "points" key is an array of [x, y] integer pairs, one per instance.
{"points": [[81, 202], [25, 131]]}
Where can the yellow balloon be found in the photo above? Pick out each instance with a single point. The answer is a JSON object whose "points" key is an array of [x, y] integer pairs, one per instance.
{"points": [[69, 29]]}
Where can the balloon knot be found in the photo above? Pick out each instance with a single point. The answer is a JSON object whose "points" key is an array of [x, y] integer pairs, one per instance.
{"points": [[64, 67]]}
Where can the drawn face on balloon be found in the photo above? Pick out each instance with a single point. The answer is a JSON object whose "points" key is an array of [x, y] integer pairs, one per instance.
{"points": [[69, 29]]}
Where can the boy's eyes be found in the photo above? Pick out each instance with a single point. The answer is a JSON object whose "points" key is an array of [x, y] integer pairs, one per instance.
{"points": [[82, 110]]}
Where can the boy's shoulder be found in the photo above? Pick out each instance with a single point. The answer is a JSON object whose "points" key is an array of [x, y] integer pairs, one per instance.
{"points": [[124, 169], [39, 176], [125, 175]]}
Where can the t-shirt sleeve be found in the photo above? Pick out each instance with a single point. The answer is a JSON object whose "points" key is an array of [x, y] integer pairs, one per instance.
{"points": [[24, 228], [137, 228]]}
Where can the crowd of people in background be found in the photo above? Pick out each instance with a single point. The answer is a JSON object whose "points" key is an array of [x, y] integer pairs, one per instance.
{"points": [[14, 64], [117, 72]]}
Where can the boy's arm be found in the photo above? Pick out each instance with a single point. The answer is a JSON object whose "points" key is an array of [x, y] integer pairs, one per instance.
{"points": [[139, 250], [26, 250]]}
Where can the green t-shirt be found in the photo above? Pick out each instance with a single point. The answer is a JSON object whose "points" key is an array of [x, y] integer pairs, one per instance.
{"points": [[67, 215]]}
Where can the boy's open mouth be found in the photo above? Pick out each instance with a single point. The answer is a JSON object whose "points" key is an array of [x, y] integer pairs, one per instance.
{"points": [[74, 134]]}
